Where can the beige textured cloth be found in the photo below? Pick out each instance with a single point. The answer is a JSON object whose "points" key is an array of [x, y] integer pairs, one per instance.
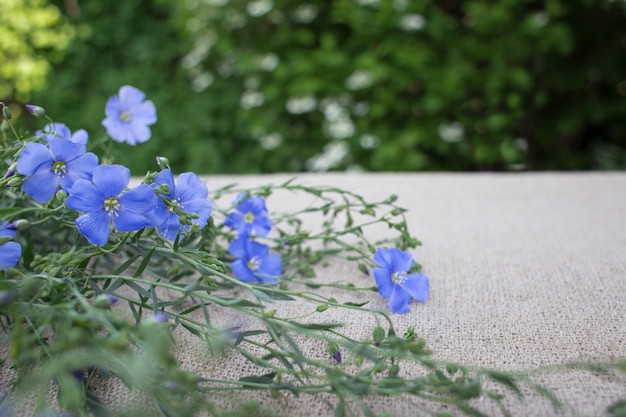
{"points": [[525, 270]]}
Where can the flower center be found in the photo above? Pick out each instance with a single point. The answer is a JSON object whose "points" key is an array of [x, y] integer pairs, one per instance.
{"points": [[59, 168], [399, 277], [176, 204], [248, 217], [111, 206], [254, 263], [125, 116]]}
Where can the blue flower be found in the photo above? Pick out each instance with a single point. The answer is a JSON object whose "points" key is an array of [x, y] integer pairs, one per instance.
{"points": [[249, 215], [61, 131], [59, 164], [10, 252], [190, 195], [128, 116], [395, 282], [254, 262], [105, 199]]}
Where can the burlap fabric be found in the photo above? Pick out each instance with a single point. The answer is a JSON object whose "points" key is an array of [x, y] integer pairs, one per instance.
{"points": [[525, 270]]}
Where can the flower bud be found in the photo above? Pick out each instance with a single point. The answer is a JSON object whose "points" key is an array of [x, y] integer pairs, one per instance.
{"points": [[6, 113], [378, 335], [333, 349], [162, 162], [61, 195], [104, 301], [7, 296], [160, 317], [20, 224], [36, 111], [321, 307], [15, 181]]}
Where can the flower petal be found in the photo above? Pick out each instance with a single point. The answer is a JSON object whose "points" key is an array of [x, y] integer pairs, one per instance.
{"points": [[383, 281], [234, 220], [129, 221], [130, 96], [84, 196], [382, 257], [10, 253], [79, 168], [399, 300], [241, 271], [257, 249], [94, 226], [33, 156], [417, 286], [7, 229], [137, 133], [140, 199], [111, 179], [190, 187], [262, 225], [41, 186], [402, 261], [134, 205], [239, 248], [115, 128], [80, 136], [270, 269], [113, 108], [65, 150], [145, 113], [170, 227], [202, 208]]}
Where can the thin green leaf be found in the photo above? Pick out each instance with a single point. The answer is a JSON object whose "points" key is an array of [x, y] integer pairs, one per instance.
{"points": [[144, 263]]}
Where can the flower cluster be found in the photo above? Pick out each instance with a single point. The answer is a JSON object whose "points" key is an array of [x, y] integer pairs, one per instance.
{"points": [[254, 262], [101, 192], [104, 201]]}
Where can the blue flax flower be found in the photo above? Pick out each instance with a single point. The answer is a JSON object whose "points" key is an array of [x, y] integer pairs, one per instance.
{"points": [[249, 215], [189, 195], [254, 262], [10, 252], [60, 164], [105, 199], [394, 281], [61, 131], [128, 116]]}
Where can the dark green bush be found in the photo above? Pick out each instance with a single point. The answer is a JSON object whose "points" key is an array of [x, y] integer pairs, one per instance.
{"points": [[264, 86]]}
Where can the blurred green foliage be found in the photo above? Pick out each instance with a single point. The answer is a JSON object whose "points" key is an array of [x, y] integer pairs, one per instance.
{"points": [[32, 34], [282, 85]]}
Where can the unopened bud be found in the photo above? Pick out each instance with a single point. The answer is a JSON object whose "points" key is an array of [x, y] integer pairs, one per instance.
{"points": [[15, 181], [61, 195], [20, 224], [378, 335], [104, 300], [36, 111], [162, 162], [6, 113], [160, 317]]}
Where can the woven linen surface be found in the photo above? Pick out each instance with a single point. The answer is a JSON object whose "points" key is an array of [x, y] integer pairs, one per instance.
{"points": [[526, 270]]}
